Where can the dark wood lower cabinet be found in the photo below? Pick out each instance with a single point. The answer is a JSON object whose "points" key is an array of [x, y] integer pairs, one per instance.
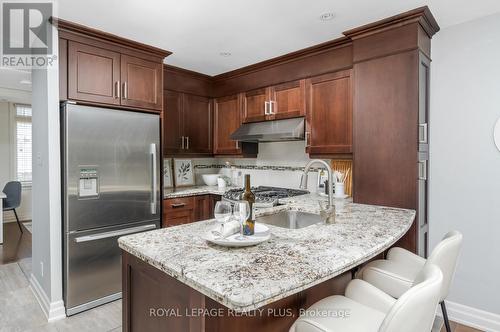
{"points": [[154, 301], [185, 210]]}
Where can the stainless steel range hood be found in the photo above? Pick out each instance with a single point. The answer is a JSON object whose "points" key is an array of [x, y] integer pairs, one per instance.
{"points": [[271, 131]]}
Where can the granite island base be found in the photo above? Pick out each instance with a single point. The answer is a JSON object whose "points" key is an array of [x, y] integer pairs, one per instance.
{"points": [[173, 280]]}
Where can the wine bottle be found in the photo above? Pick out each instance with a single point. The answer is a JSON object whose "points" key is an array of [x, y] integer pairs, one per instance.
{"points": [[249, 196]]}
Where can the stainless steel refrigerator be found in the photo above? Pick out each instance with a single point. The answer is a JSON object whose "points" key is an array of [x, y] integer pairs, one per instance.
{"points": [[111, 188]]}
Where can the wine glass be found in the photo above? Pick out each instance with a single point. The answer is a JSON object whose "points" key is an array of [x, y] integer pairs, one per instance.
{"points": [[222, 213], [241, 213]]}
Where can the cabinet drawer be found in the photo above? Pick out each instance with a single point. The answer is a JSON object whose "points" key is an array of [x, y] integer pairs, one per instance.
{"points": [[176, 204], [179, 217]]}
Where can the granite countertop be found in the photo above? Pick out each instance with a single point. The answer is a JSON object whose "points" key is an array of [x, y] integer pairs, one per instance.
{"points": [[193, 191], [244, 279]]}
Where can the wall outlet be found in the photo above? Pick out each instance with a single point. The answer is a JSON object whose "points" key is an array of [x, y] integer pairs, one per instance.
{"points": [[41, 268]]}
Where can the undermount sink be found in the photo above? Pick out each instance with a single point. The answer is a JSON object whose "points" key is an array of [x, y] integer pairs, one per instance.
{"points": [[290, 219]]}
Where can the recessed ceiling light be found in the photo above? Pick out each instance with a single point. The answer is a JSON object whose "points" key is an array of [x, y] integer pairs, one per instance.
{"points": [[225, 54], [26, 82], [327, 16]]}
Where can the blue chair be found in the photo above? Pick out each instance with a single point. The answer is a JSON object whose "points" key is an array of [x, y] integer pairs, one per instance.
{"points": [[13, 192]]}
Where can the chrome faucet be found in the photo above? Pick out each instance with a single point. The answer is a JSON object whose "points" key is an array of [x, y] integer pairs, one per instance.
{"points": [[303, 180]]}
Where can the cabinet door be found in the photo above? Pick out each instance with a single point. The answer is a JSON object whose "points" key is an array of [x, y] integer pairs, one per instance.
{"points": [[329, 113], [227, 118], [172, 122], [93, 74], [204, 209], [141, 83], [255, 108], [197, 124], [288, 100]]}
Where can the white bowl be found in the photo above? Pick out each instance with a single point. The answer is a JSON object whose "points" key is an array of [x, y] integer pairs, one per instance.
{"points": [[210, 179]]}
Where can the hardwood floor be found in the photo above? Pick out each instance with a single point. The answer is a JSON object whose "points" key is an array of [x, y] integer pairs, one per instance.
{"points": [[16, 245], [22, 312], [455, 327]]}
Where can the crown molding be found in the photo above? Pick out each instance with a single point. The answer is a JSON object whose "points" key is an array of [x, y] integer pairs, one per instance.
{"points": [[67, 26], [421, 15]]}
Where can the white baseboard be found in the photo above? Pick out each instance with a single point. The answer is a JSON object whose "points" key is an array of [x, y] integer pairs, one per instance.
{"points": [[476, 318], [52, 310]]}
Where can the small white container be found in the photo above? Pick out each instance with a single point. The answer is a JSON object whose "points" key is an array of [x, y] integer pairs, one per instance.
{"points": [[339, 190], [210, 179], [221, 183]]}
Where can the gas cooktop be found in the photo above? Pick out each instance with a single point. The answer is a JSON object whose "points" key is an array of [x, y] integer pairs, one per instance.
{"points": [[265, 196]]}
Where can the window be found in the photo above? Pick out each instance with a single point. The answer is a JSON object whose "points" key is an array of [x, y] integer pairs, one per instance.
{"points": [[23, 143]]}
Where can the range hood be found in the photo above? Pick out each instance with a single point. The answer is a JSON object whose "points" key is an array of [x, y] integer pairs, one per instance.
{"points": [[271, 131]]}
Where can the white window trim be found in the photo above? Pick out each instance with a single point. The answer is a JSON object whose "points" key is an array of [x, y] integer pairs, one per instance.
{"points": [[13, 143]]}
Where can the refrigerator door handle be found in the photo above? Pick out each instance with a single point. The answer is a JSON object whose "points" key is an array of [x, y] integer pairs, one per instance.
{"points": [[105, 235], [154, 188]]}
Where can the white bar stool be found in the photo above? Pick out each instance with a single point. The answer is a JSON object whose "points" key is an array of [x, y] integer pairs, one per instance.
{"points": [[364, 308], [396, 274]]}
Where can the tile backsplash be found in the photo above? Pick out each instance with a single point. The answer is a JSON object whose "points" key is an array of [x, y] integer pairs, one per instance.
{"points": [[279, 164]]}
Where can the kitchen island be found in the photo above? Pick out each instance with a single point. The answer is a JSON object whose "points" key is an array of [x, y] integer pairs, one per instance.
{"points": [[174, 280]]}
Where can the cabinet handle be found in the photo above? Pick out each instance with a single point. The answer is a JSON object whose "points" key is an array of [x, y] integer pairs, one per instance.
{"points": [[422, 138], [182, 142], [266, 107], [177, 205], [125, 90], [271, 107], [117, 89], [187, 142], [308, 134]]}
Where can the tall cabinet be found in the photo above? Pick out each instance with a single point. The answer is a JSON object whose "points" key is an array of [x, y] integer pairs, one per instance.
{"points": [[390, 116]]}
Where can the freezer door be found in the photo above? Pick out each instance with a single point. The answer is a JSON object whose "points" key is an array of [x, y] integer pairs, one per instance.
{"points": [[93, 266], [111, 167]]}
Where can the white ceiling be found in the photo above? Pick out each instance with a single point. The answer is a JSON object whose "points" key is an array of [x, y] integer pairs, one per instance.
{"points": [[10, 79], [197, 31]]}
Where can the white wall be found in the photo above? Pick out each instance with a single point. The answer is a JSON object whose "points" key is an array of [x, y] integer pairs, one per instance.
{"points": [[46, 279], [7, 148], [464, 163]]}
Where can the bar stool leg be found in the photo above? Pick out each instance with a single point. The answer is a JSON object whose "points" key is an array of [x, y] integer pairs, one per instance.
{"points": [[445, 317]]}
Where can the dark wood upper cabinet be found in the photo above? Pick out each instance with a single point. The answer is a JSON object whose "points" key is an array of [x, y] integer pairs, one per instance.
{"points": [[142, 83], [227, 118], [280, 101], [197, 124], [288, 100], [329, 114], [93, 74], [172, 122], [99, 68], [187, 124], [256, 105]]}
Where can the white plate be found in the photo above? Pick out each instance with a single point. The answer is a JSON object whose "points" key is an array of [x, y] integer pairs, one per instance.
{"points": [[262, 234]]}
